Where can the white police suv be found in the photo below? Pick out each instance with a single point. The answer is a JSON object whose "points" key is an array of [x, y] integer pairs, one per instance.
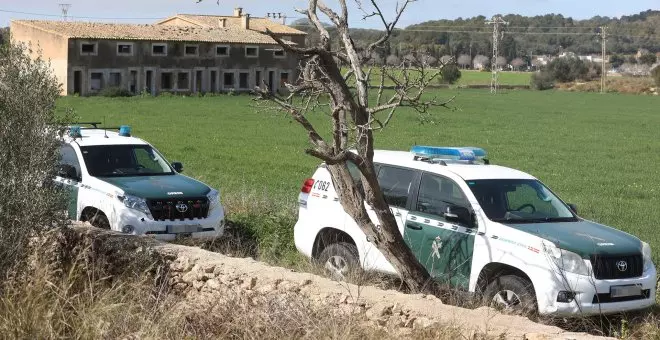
{"points": [[120, 182], [483, 228]]}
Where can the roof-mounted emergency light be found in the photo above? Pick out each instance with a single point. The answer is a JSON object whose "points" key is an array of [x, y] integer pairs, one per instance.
{"points": [[125, 131], [75, 132], [440, 153]]}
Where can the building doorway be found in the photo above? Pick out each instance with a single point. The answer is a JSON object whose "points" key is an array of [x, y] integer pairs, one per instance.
{"points": [[149, 82], [271, 81], [77, 82]]}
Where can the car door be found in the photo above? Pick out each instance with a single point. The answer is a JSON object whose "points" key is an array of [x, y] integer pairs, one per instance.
{"points": [[69, 177], [398, 185], [444, 247]]}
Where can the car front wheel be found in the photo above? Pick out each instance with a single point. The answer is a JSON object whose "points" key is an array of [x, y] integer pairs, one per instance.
{"points": [[511, 294]]}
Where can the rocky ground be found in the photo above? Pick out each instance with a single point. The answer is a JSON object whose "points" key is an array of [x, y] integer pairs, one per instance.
{"points": [[205, 278]]}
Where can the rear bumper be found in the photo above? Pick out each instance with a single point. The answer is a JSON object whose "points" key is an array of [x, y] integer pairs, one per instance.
{"points": [[593, 296]]}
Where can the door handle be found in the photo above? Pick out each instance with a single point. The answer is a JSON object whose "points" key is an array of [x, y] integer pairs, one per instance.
{"points": [[397, 214], [413, 226]]}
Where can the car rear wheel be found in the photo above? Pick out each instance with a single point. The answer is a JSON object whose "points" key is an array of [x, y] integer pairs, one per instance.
{"points": [[511, 294], [340, 260]]}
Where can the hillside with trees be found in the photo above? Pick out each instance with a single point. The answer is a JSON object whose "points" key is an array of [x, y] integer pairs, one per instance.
{"points": [[549, 34]]}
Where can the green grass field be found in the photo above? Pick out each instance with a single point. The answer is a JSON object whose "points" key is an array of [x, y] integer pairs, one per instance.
{"points": [[469, 77], [597, 151]]}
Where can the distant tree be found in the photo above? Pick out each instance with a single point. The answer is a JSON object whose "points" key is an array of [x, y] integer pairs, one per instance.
{"points": [[450, 73], [616, 60], [376, 59], [542, 80], [481, 61], [445, 59], [500, 62], [392, 60], [567, 69], [648, 59], [631, 60], [429, 60], [4, 35], [517, 63], [464, 60], [656, 75]]}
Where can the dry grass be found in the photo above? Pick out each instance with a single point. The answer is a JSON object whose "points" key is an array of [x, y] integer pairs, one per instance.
{"points": [[629, 85], [81, 300]]}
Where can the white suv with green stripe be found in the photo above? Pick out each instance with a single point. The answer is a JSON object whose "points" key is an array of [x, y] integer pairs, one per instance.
{"points": [[120, 182], [483, 228]]}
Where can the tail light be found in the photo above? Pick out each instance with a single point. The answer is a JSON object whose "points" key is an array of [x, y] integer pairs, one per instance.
{"points": [[307, 186]]}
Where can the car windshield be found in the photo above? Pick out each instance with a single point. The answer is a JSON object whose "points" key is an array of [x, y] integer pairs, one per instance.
{"points": [[124, 160], [519, 201]]}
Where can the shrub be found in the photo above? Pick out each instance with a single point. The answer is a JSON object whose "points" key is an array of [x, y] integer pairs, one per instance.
{"points": [[542, 81], [656, 75], [450, 73], [565, 70], [29, 152], [115, 91]]}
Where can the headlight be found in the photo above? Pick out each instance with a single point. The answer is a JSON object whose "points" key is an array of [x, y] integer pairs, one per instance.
{"points": [[565, 260], [214, 199], [137, 203], [648, 259]]}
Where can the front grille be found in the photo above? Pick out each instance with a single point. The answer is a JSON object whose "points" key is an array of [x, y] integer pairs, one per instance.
{"points": [[607, 298], [608, 268], [166, 209]]}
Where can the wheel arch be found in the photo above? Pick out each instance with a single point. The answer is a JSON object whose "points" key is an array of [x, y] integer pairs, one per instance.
{"points": [[327, 236], [89, 211], [495, 269]]}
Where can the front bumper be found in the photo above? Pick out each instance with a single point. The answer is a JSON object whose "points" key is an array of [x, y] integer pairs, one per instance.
{"points": [[592, 297], [210, 227]]}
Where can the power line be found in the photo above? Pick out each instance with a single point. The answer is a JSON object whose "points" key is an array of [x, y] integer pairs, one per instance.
{"points": [[78, 17]]}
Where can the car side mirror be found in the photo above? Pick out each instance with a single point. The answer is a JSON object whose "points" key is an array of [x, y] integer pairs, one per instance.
{"points": [[68, 171], [178, 167], [573, 207], [460, 215]]}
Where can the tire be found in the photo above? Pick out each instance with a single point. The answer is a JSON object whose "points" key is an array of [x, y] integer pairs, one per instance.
{"points": [[340, 260], [511, 294], [98, 220]]}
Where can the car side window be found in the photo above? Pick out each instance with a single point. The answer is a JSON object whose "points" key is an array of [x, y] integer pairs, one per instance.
{"points": [[436, 193], [396, 184], [68, 156]]}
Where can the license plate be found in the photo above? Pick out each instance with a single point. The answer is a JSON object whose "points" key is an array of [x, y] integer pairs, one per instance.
{"points": [[184, 228], [624, 291]]}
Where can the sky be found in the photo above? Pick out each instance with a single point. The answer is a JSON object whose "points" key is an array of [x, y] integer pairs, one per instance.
{"points": [[146, 11]]}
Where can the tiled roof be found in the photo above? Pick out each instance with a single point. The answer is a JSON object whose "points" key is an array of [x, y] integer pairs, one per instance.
{"points": [[89, 30], [256, 23]]}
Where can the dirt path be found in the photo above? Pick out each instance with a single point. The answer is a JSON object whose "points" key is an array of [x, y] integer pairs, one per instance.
{"points": [[204, 276]]}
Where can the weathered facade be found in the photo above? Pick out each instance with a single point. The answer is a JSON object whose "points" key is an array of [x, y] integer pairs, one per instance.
{"points": [[174, 55]]}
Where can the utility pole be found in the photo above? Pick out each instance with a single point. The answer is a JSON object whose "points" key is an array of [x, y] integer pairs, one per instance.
{"points": [[603, 44], [65, 10], [496, 21]]}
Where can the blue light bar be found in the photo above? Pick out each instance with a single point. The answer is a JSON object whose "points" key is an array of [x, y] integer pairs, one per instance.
{"points": [[75, 132], [467, 153], [125, 131]]}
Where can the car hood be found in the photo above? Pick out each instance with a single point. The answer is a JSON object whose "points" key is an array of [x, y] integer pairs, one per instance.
{"points": [[585, 238], [159, 186]]}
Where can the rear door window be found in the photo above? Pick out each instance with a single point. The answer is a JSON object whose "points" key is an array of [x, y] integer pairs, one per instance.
{"points": [[396, 184], [436, 193]]}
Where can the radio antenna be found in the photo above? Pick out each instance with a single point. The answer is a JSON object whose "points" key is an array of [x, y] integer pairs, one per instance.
{"points": [[105, 131]]}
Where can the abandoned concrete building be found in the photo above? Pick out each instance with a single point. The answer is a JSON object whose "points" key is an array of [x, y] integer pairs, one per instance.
{"points": [[183, 54]]}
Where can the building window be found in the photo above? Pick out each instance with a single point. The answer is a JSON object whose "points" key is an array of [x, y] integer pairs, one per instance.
{"points": [[95, 81], [183, 81], [251, 51], [243, 78], [279, 53], [166, 81], [222, 51], [191, 50], [125, 49], [88, 48], [158, 49], [115, 79], [228, 79]]}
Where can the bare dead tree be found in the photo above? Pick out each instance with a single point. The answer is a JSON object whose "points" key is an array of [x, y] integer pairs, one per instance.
{"points": [[356, 115]]}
